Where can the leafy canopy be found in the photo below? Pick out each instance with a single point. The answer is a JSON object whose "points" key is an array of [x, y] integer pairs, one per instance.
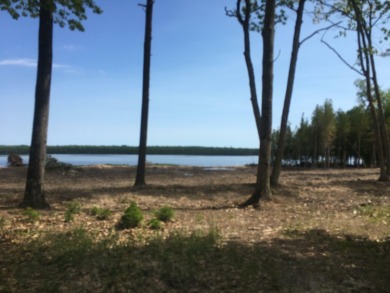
{"points": [[373, 15], [69, 13], [253, 11]]}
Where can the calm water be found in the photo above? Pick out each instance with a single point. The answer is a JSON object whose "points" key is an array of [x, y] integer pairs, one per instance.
{"points": [[201, 161]]}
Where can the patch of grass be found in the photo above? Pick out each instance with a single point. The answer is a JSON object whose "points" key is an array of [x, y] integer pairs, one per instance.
{"points": [[375, 213], [132, 217], [80, 261], [101, 213], [199, 218], [31, 215], [291, 233], [294, 230], [73, 208], [71, 261], [164, 214], [124, 200]]}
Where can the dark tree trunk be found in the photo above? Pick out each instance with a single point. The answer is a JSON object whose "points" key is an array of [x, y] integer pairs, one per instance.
{"points": [[287, 99], [248, 60], [263, 187], [359, 156], [366, 64], [34, 195], [315, 149], [382, 119], [140, 178]]}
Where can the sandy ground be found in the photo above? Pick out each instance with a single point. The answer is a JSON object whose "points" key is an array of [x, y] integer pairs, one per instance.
{"points": [[313, 232], [320, 199]]}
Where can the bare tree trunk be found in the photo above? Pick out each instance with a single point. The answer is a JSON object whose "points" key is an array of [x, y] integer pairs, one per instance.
{"points": [[244, 21], [366, 65], [382, 119], [34, 195], [263, 186], [140, 177], [315, 148], [359, 156], [288, 96], [249, 66]]}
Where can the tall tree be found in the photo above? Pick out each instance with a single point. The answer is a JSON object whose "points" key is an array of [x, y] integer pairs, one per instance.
{"points": [[265, 11], [297, 43], [365, 17], [303, 142], [360, 125], [49, 12], [324, 128], [288, 96], [263, 186], [244, 13], [343, 129], [34, 195], [140, 177]]}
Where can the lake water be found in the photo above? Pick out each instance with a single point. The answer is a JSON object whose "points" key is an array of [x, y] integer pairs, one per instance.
{"points": [[131, 160]]}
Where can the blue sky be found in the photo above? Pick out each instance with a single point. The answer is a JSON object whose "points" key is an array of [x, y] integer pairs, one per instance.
{"points": [[199, 87]]}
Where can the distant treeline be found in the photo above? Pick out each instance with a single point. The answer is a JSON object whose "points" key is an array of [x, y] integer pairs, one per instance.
{"points": [[129, 150]]}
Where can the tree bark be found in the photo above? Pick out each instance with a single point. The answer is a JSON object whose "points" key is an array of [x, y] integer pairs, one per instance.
{"points": [[249, 65], [382, 119], [288, 96], [266, 105], [263, 186], [140, 177], [366, 63], [34, 195]]}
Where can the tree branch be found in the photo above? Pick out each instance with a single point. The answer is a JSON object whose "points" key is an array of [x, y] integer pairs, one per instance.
{"points": [[340, 57], [318, 31]]}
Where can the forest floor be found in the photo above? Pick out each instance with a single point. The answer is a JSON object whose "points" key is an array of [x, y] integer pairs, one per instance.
{"points": [[325, 231]]}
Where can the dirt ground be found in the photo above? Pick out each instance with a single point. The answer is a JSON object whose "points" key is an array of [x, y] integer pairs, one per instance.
{"points": [[314, 215]]}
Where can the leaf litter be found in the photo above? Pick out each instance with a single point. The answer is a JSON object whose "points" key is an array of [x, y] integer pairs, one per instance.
{"points": [[326, 231]]}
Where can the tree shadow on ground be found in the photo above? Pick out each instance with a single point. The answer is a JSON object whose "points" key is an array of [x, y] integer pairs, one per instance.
{"points": [[298, 261]]}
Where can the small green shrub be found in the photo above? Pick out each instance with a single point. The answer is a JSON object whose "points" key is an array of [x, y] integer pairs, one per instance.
{"points": [[68, 217], [94, 211], [31, 215], [165, 214], [100, 213], [132, 217], [73, 207], [155, 224]]}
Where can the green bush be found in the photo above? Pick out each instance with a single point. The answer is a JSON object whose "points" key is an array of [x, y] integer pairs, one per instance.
{"points": [[155, 224], [165, 214], [132, 217]]}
